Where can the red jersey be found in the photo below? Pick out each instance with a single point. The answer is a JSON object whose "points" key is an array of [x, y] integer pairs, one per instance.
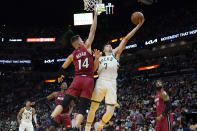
{"points": [[83, 62], [58, 101], [160, 106]]}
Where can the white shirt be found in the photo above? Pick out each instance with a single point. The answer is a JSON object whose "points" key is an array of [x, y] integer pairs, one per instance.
{"points": [[27, 115], [108, 67]]}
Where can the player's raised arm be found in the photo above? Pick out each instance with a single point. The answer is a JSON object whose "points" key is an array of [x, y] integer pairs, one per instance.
{"points": [[90, 39], [121, 46], [19, 115], [49, 97], [64, 66], [34, 116], [52, 96], [97, 54]]}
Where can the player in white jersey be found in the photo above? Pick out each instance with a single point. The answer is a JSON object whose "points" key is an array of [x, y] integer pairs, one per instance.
{"points": [[106, 83], [24, 117]]}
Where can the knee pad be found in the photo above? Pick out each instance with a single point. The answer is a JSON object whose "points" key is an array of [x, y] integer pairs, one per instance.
{"points": [[67, 99], [84, 103]]}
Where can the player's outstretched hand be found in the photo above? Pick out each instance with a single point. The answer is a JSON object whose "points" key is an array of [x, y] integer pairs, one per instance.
{"points": [[60, 79], [97, 53], [96, 11], [141, 22], [37, 125]]}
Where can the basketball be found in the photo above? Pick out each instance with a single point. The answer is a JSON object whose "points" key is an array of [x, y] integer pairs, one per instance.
{"points": [[136, 17]]}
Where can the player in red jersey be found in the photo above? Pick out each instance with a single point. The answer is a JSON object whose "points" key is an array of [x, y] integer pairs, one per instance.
{"points": [[164, 117], [82, 85], [64, 117]]}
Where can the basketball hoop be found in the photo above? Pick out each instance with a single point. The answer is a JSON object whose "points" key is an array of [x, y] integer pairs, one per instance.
{"points": [[89, 5]]}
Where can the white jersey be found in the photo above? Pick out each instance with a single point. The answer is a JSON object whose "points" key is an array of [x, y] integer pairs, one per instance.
{"points": [[27, 115], [108, 67]]}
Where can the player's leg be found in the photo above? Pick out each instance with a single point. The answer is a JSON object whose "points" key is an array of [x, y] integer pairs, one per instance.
{"points": [[86, 88], [157, 127], [169, 122], [162, 125], [58, 109], [83, 107], [67, 123], [110, 101], [91, 115], [71, 94], [165, 124], [54, 124], [21, 127], [107, 116], [29, 127], [97, 97]]}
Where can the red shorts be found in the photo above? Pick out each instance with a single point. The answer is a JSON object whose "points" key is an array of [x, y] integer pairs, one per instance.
{"points": [[65, 120], [81, 87], [165, 124]]}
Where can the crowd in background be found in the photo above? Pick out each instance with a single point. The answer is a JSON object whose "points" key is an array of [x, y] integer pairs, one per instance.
{"points": [[136, 110]]}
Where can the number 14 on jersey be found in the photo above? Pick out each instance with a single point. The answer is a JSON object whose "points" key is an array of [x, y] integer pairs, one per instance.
{"points": [[84, 65]]}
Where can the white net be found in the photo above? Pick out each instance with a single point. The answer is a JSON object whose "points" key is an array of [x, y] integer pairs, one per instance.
{"points": [[90, 4]]}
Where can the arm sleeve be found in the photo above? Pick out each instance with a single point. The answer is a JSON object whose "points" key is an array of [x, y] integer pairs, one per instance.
{"points": [[167, 107], [42, 99], [61, 72], [34, 116]]}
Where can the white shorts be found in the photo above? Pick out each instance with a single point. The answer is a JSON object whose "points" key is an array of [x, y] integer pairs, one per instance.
{"points": [[26, 125], [107, 89]]}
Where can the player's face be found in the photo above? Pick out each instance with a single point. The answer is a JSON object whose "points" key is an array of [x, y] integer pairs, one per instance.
{"points": [[28, 104], [64, 86], [108, 48], [159, 84]]}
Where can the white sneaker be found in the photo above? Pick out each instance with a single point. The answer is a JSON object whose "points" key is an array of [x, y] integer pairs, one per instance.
{"points": [[87, 128], [96, 126]]}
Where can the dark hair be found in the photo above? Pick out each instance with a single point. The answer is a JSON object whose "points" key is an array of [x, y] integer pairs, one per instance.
{"points": [[27, 101], [159, 80], [75, 38], [157, 87], [106, 44]]}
